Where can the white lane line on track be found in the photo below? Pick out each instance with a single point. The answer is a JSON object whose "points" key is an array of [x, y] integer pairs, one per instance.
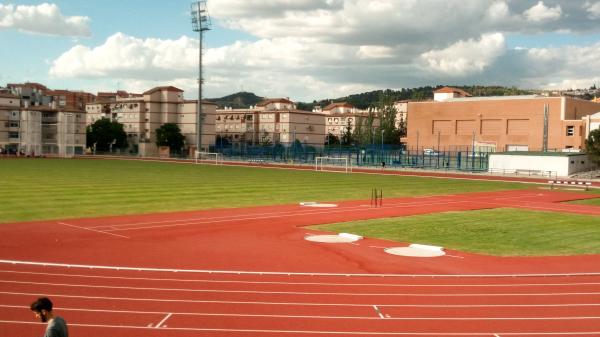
{"points": [[276, 215], [496, 335], [163, 321], [308, 304], [307, 293], [92, 230], [378, 312], [320, 332], [279, 273], [439, 285]]}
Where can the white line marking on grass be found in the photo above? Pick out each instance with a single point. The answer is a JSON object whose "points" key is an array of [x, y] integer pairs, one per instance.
{"points": [[163, 321], [93, 230], [378, 311]]}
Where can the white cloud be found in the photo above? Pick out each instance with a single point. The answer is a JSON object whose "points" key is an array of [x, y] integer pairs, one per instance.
{"points": [[498, 11], [375, 52], [44, 19], [541, 13], [593, 10], [122, 55], [310, 49], [466, 57]]}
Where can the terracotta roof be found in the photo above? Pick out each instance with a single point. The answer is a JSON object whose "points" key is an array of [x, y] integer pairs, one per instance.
{"points": [[274, 100], [338, 105], [450, 90], [6, 95], [28, 85], [167, 88]]}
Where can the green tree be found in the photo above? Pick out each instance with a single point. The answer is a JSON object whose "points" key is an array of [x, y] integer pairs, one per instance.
{"points": [[105, 135], [592, 145], [347, 135], [265, 140], [358, 134], [170, 135], [332, 139], [387, 120]]}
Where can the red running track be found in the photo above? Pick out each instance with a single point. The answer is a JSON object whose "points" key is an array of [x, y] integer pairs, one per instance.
{"points": [[285, 285]]}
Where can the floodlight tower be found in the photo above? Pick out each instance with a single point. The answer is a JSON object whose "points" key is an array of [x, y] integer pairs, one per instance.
{"points": [[200, 24]]}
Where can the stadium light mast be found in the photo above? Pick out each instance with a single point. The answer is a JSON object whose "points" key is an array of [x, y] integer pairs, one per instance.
{"points": [[200, 24]]}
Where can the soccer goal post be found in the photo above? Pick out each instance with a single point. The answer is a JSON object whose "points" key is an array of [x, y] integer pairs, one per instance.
{"points": [[208, 158], [338, 164]]}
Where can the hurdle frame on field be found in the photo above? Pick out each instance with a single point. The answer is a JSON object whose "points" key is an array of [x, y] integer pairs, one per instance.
{"points": [[217, 160], [319, 160], [376, 197]]}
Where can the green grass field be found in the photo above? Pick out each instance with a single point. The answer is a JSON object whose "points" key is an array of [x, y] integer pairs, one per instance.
{"points": [[503, 232], [36, 189], [591, 202]]}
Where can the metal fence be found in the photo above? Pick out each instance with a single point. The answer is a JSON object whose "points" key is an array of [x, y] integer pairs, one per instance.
{"points": [[456, 158]]}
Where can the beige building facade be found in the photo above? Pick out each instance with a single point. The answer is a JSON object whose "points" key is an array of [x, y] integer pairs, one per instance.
{"points": [[516, 123], [36, 130], [142, 114], [271, 121]]}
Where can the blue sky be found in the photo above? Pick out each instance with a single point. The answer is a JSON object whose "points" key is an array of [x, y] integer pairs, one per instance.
{"points": [[302, 49]]}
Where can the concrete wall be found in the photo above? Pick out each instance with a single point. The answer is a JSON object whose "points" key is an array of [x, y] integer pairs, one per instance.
{"points": [[562, 165]]}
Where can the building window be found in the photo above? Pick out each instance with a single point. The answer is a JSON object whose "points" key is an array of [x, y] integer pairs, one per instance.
{"points": [[13, 135], [14, 124], [570, 130]]}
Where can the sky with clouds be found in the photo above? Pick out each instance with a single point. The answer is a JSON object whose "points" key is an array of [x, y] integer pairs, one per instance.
{"points": [[302, 49]]}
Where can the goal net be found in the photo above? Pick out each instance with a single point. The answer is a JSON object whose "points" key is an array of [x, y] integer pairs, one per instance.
{"points": [[338, 164], [208, 158]]}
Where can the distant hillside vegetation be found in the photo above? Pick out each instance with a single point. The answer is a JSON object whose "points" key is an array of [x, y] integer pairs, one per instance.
{"points": [[243, 100], [240, 100], [369, 99]]}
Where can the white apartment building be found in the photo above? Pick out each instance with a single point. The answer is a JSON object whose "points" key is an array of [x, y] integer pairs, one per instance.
{"points": [[142, 114], [273, 120], [40, 130]]}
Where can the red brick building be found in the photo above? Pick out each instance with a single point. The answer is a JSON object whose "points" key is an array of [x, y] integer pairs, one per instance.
{"points": [[502, 123]]}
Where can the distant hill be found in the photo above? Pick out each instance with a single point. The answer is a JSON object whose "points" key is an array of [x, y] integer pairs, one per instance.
{"points": [[240, 100], [243, 100], [371, 98]]}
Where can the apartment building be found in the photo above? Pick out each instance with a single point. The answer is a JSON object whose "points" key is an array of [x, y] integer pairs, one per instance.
{"points": [[71, 99], [28, 127], [503, 123], [271, 121], [142, 114], [340, 116]]}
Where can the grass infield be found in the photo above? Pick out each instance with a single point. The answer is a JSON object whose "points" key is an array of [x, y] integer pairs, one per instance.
{"points": [[43, 189], [501, 232]]}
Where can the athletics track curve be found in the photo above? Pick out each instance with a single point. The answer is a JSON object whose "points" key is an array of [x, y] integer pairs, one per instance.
{"points": [[214, 285]]}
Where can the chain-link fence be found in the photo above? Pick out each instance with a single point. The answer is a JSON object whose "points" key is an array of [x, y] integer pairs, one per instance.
{"points": [[453, 158]]}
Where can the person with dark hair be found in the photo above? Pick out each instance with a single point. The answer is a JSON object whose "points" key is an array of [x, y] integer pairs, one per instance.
{"points": [[57, 327]]}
